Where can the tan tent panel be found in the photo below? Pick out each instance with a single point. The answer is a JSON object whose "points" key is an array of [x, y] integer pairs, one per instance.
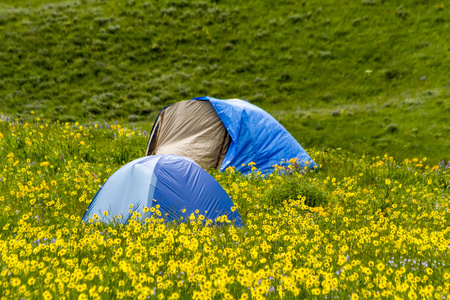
{"points": [[191, 129]]}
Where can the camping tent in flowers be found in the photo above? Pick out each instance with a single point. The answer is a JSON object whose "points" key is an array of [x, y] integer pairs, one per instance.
{"points": [[222, 133], [170, 186]]}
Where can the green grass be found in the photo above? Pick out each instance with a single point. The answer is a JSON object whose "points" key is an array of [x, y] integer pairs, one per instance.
{"points": [[27, 3], [383, 63]]}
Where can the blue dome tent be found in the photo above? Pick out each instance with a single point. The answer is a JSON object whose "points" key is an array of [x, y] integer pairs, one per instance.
{"points": [[177, 184], [225, 133]]}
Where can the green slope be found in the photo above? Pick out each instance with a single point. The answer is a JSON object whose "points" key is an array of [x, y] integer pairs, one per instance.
{"points": [[367, 76]]}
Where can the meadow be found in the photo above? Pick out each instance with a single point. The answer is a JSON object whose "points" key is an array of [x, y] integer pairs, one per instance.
{"points": [[362, 85], [361, 227]]}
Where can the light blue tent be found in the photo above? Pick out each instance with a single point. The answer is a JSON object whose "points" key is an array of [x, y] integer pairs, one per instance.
{"points": [[177, 184], [188, 128]]}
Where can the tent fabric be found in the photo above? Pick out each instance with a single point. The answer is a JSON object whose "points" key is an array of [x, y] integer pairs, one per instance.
{"points": [[256, 137], [191, 129], [173, 182]]}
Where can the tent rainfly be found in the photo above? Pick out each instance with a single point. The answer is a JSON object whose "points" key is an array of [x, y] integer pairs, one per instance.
{"points": [[224, 133], [176, 186]]}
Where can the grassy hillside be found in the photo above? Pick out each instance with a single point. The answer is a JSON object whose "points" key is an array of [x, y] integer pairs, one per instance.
{"points": [[367, 76], [379, 228]]}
